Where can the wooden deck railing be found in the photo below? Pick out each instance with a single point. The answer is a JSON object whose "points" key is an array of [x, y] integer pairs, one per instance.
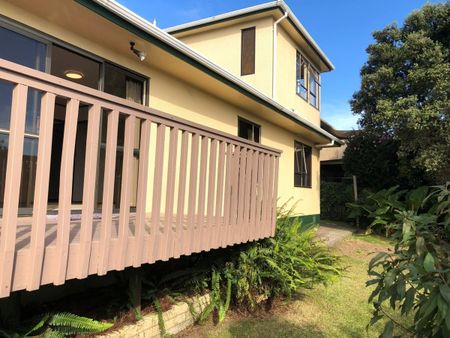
{"points": [[196, 188]]}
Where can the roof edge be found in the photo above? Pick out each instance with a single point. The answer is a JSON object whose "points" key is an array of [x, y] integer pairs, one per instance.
{"points": [[280, 4], [145, 26]]}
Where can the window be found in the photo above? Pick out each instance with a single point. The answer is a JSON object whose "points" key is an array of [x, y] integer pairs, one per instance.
{"points": [[314, 88], [302, 165], [21, 49], [31, 53], [122, 83], [248, 51], [249, 130], [45, 54], [302, 73], [307, 81], [64, 60]]}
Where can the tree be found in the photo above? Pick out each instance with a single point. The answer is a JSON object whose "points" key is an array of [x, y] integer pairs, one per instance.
{"points": [[373, 159], [404, 98]]}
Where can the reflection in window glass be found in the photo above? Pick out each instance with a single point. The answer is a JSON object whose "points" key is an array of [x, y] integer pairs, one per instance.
{"points": [[302, 165], [21, 49], [3, 159], [5, 104], [249, 130], [30, 148], [33, 111], [121, 83], [307, 81], [302, 73]]}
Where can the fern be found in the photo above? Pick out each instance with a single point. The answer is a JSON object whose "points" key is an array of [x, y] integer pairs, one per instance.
{"points": [[69, 323], [161, 323]]}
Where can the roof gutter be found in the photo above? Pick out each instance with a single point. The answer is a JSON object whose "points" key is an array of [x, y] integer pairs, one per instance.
{"points": [[147, 27]]}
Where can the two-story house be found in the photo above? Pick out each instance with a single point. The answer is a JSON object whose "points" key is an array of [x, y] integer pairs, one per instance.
{"points": [[122, 144], [267, 47]]}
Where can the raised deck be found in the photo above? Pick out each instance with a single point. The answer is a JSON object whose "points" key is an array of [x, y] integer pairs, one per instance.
{"points": [[191, 189]]}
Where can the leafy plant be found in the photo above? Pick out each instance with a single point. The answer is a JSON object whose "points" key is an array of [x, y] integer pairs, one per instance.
{"points": [[216, 302], [279, 266], [414, 279], [333, 199], [62, 325]]}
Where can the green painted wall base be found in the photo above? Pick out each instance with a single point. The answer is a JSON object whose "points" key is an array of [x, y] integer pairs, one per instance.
{"points": [[308, 221]]}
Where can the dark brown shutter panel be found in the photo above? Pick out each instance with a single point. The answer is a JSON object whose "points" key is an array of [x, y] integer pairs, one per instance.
{"points": [[248, 51]]}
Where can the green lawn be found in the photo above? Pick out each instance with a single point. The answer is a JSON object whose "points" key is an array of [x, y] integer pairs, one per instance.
{"points": [[337, 310]]}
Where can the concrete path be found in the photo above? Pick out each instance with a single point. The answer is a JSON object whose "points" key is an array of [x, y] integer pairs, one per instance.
{"points": [[334, 232]]}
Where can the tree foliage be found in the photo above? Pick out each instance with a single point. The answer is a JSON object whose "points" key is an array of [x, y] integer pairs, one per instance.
{"points": [[405, 95], [414, 279]]}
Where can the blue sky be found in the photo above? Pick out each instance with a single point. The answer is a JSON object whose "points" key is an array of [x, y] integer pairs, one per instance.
{"points": [[342, 28]]}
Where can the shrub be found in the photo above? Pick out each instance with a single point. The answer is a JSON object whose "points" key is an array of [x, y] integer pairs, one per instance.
{"points": [[334, 197], [414, 278], [252, 275]]}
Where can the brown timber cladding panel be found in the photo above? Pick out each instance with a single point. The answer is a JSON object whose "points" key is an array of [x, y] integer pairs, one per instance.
{"points": [[196, 188], [248, 51]]}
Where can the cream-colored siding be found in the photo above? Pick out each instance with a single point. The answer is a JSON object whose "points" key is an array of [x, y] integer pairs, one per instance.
{"points": [[286, 78], [175, 94], [223, 46]]}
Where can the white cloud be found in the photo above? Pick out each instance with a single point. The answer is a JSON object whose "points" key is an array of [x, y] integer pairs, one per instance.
{"points": [[339, 115]]}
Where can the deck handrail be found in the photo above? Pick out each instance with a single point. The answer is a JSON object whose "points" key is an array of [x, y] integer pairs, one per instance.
{"points": [[191, 188]]}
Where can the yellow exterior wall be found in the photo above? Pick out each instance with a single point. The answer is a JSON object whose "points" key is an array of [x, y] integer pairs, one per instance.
{"points": [[172, 95], [286, 78], [223, 47]]}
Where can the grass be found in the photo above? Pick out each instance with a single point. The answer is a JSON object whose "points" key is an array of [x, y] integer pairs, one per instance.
{"points": [[336, 310]]}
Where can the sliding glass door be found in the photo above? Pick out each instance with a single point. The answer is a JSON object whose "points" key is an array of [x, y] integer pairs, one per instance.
{"points": [[31, 53]]}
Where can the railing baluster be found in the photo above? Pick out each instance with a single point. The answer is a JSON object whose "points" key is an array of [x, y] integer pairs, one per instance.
{"points": [[227, 196], [275, 196], [108, 191], [241, 196], [90, 175], [254, 194], [209, 226], [157, 228], [259, 196], [65, 191], [265, 196], [37, 242], [12, 182], [125, 192], [141, 199], [168, 214], [246, 205], [181, 230], [268, 227], [234, 195], [218, 222], [200, 228], [192, 194]]}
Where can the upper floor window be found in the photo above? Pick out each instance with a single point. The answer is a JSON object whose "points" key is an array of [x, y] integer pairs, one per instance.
{"points": [[307, 81], [302, 165], [249, 130], [248, 42]]}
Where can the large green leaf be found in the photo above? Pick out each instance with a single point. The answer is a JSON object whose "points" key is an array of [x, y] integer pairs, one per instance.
{"points": [[445, 292], [428, 263], [388, 330]]}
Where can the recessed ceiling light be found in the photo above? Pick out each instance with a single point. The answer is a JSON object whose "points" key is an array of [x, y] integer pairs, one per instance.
{"points": [[73, 74]]}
